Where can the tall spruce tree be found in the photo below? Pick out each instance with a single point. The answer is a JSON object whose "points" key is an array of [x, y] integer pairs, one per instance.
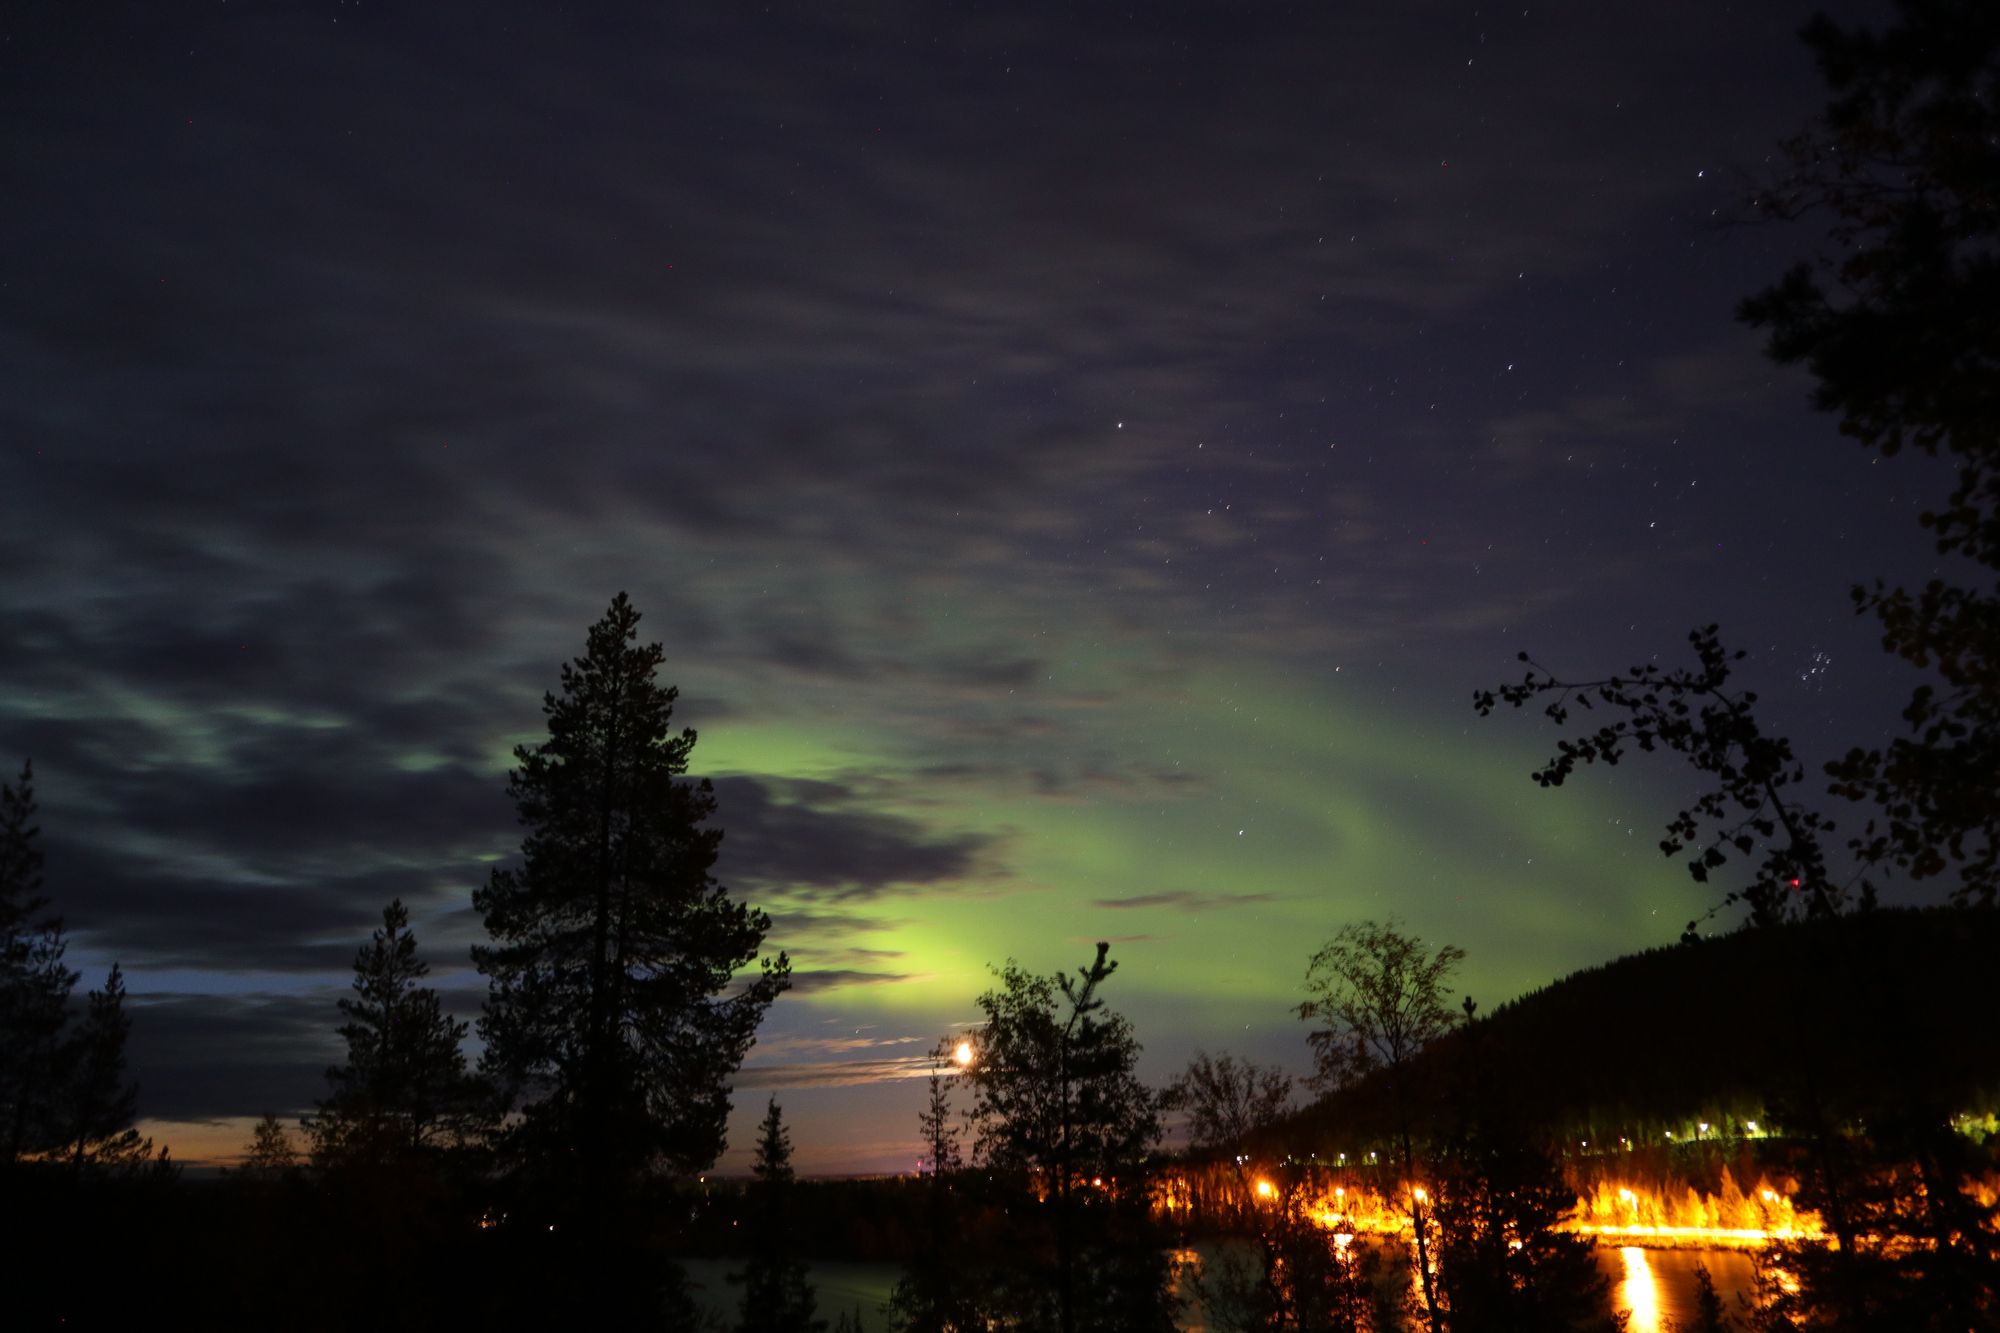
{"points": [[405, 1089], [613, 944], [776, 1295], [34, 984], [63, 1093], [97, 1104]]}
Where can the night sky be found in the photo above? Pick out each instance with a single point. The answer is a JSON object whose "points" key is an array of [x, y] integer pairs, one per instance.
{"points": [[1079, 462]]}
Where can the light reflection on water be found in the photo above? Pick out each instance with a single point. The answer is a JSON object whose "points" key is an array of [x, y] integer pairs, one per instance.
{"points": [[1638, 1293], [1657, 1286]]}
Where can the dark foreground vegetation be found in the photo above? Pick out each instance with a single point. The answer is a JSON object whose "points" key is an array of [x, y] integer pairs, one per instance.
{"points": [[1432, 1186]]}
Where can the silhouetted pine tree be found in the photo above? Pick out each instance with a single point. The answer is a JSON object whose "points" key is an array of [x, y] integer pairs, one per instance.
{"points": [[405, 1090], [776, 1296], [97, 1105], [271, 1151], [613, 947], [34, 984], [63, 1093]]}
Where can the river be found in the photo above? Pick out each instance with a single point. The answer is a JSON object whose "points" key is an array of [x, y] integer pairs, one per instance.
{"points": [[1654, 1285]]}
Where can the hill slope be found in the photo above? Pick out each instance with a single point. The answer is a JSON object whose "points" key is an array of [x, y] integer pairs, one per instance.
{"points": [[1837, 1010]]}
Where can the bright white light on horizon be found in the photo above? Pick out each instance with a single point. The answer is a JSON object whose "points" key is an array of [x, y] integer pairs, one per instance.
{"points": [[963, 1053]]}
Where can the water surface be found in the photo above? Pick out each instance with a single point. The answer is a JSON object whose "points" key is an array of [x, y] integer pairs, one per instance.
{"points": [[1654, 1285]]}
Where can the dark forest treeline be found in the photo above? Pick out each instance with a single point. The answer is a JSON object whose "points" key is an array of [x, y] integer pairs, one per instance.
{"points": [[414, 1245]]}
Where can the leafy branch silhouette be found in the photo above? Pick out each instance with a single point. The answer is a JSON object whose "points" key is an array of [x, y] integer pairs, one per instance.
{"points": [[1750, 802]]}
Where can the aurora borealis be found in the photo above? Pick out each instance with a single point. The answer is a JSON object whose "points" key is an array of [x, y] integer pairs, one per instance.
{"points": [[1079, 466]]}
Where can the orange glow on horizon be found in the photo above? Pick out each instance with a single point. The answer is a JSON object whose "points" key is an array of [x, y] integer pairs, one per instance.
{"points": [[1624, 1213]]}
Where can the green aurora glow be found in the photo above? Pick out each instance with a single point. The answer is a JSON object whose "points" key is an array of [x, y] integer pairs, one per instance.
{"points": [[1274, 813]]}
